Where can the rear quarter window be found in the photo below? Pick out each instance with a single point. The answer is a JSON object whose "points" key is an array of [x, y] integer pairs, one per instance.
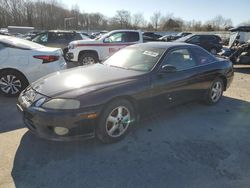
{"points": [[202, 57]]}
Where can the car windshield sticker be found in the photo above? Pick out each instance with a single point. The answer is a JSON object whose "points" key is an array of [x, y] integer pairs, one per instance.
{"points": [[150, 53]]}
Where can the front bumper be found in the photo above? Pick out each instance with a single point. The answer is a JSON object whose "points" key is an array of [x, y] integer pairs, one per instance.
{"points": [[69, 56], [42, 123]]}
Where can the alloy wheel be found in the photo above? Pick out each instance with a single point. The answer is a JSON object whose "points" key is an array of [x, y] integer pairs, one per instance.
{"points": [[216, 91], [88, 60], [118, 121], [10, 84]]}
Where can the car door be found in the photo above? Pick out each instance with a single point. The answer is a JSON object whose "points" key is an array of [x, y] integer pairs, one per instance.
{"points": [[177, 86], [117, 41]]}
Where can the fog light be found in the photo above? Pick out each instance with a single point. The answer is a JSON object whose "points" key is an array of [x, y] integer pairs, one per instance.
{"points": [[61, 131]]}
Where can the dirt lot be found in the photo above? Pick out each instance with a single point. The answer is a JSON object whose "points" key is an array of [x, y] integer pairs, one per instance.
{"points": [[188, 146]]}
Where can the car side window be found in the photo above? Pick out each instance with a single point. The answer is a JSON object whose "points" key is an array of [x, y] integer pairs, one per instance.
{"points": [[202, 57], [77, 36], [132, 37], [123, 37], [194, 39], [116, 37], [53, 36], [180, 58]]}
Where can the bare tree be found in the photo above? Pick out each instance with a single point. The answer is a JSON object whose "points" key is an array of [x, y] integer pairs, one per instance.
{"points": [[155, 20], [220, 23], [123, 17], [246, 23], [138, 21]]}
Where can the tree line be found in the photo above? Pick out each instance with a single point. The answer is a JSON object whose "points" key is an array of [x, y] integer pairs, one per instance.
{"points": [[51, 14]]}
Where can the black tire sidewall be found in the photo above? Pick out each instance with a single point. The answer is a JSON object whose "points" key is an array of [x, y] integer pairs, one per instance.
{"points": [[101, 132], [24, 82]]}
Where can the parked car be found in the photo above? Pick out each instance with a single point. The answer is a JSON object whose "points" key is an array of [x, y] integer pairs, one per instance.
{"points": [[151, 35], [211, 43], [93, 51], [58, 39], [238, 46], [169, 38], [105, 99], [31, 35], [241, 54], [23, 62]]}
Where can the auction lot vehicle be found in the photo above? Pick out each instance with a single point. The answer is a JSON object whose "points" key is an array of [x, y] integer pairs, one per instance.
{"points": [[211, 43], [23, 62], [238, 50], [93, 51], [152, 35], [58, 39], [241, 54], [104, 99]]}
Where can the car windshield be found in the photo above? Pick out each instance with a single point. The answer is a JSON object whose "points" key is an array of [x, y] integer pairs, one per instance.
{"points": [[21, 43], [233, 38], [135, 58]]}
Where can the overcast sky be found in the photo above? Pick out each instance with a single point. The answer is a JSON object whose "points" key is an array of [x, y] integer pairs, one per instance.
{"points": [[200, 10]]}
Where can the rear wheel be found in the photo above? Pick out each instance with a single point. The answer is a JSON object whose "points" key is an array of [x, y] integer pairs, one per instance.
{"points": [[115, 122], [88, 58], [214, 93], [12, 83]]}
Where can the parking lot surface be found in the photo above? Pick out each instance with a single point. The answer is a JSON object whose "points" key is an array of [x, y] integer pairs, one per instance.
{"points": [[192, 145]]}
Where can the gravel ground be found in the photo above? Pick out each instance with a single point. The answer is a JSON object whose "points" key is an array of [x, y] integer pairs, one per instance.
{"points": [[192, 145]]}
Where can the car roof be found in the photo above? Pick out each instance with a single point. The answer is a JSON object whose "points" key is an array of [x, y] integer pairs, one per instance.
{"points": [[165, 45]]}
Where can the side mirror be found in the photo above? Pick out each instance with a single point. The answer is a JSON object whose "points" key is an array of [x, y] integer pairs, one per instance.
{"points": [[168, 68]]}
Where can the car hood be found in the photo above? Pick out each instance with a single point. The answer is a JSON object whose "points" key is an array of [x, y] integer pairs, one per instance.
{"points": [[81, 80]]}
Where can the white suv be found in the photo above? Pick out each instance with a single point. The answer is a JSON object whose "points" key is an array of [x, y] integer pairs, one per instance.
{"points": [[92, 51]]}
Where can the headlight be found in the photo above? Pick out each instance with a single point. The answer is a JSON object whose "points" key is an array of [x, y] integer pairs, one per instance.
{"points": [[62, 104]]}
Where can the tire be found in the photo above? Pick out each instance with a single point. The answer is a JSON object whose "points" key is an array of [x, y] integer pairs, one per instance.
{"points": [[65, 51], [213, 51], [115, 121], [215, 92], [12, 83], [87, 58]]}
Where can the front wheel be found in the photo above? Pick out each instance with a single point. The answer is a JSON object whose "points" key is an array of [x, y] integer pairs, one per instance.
{"points": [[88, 58], [115, 121], [215, 92]]}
